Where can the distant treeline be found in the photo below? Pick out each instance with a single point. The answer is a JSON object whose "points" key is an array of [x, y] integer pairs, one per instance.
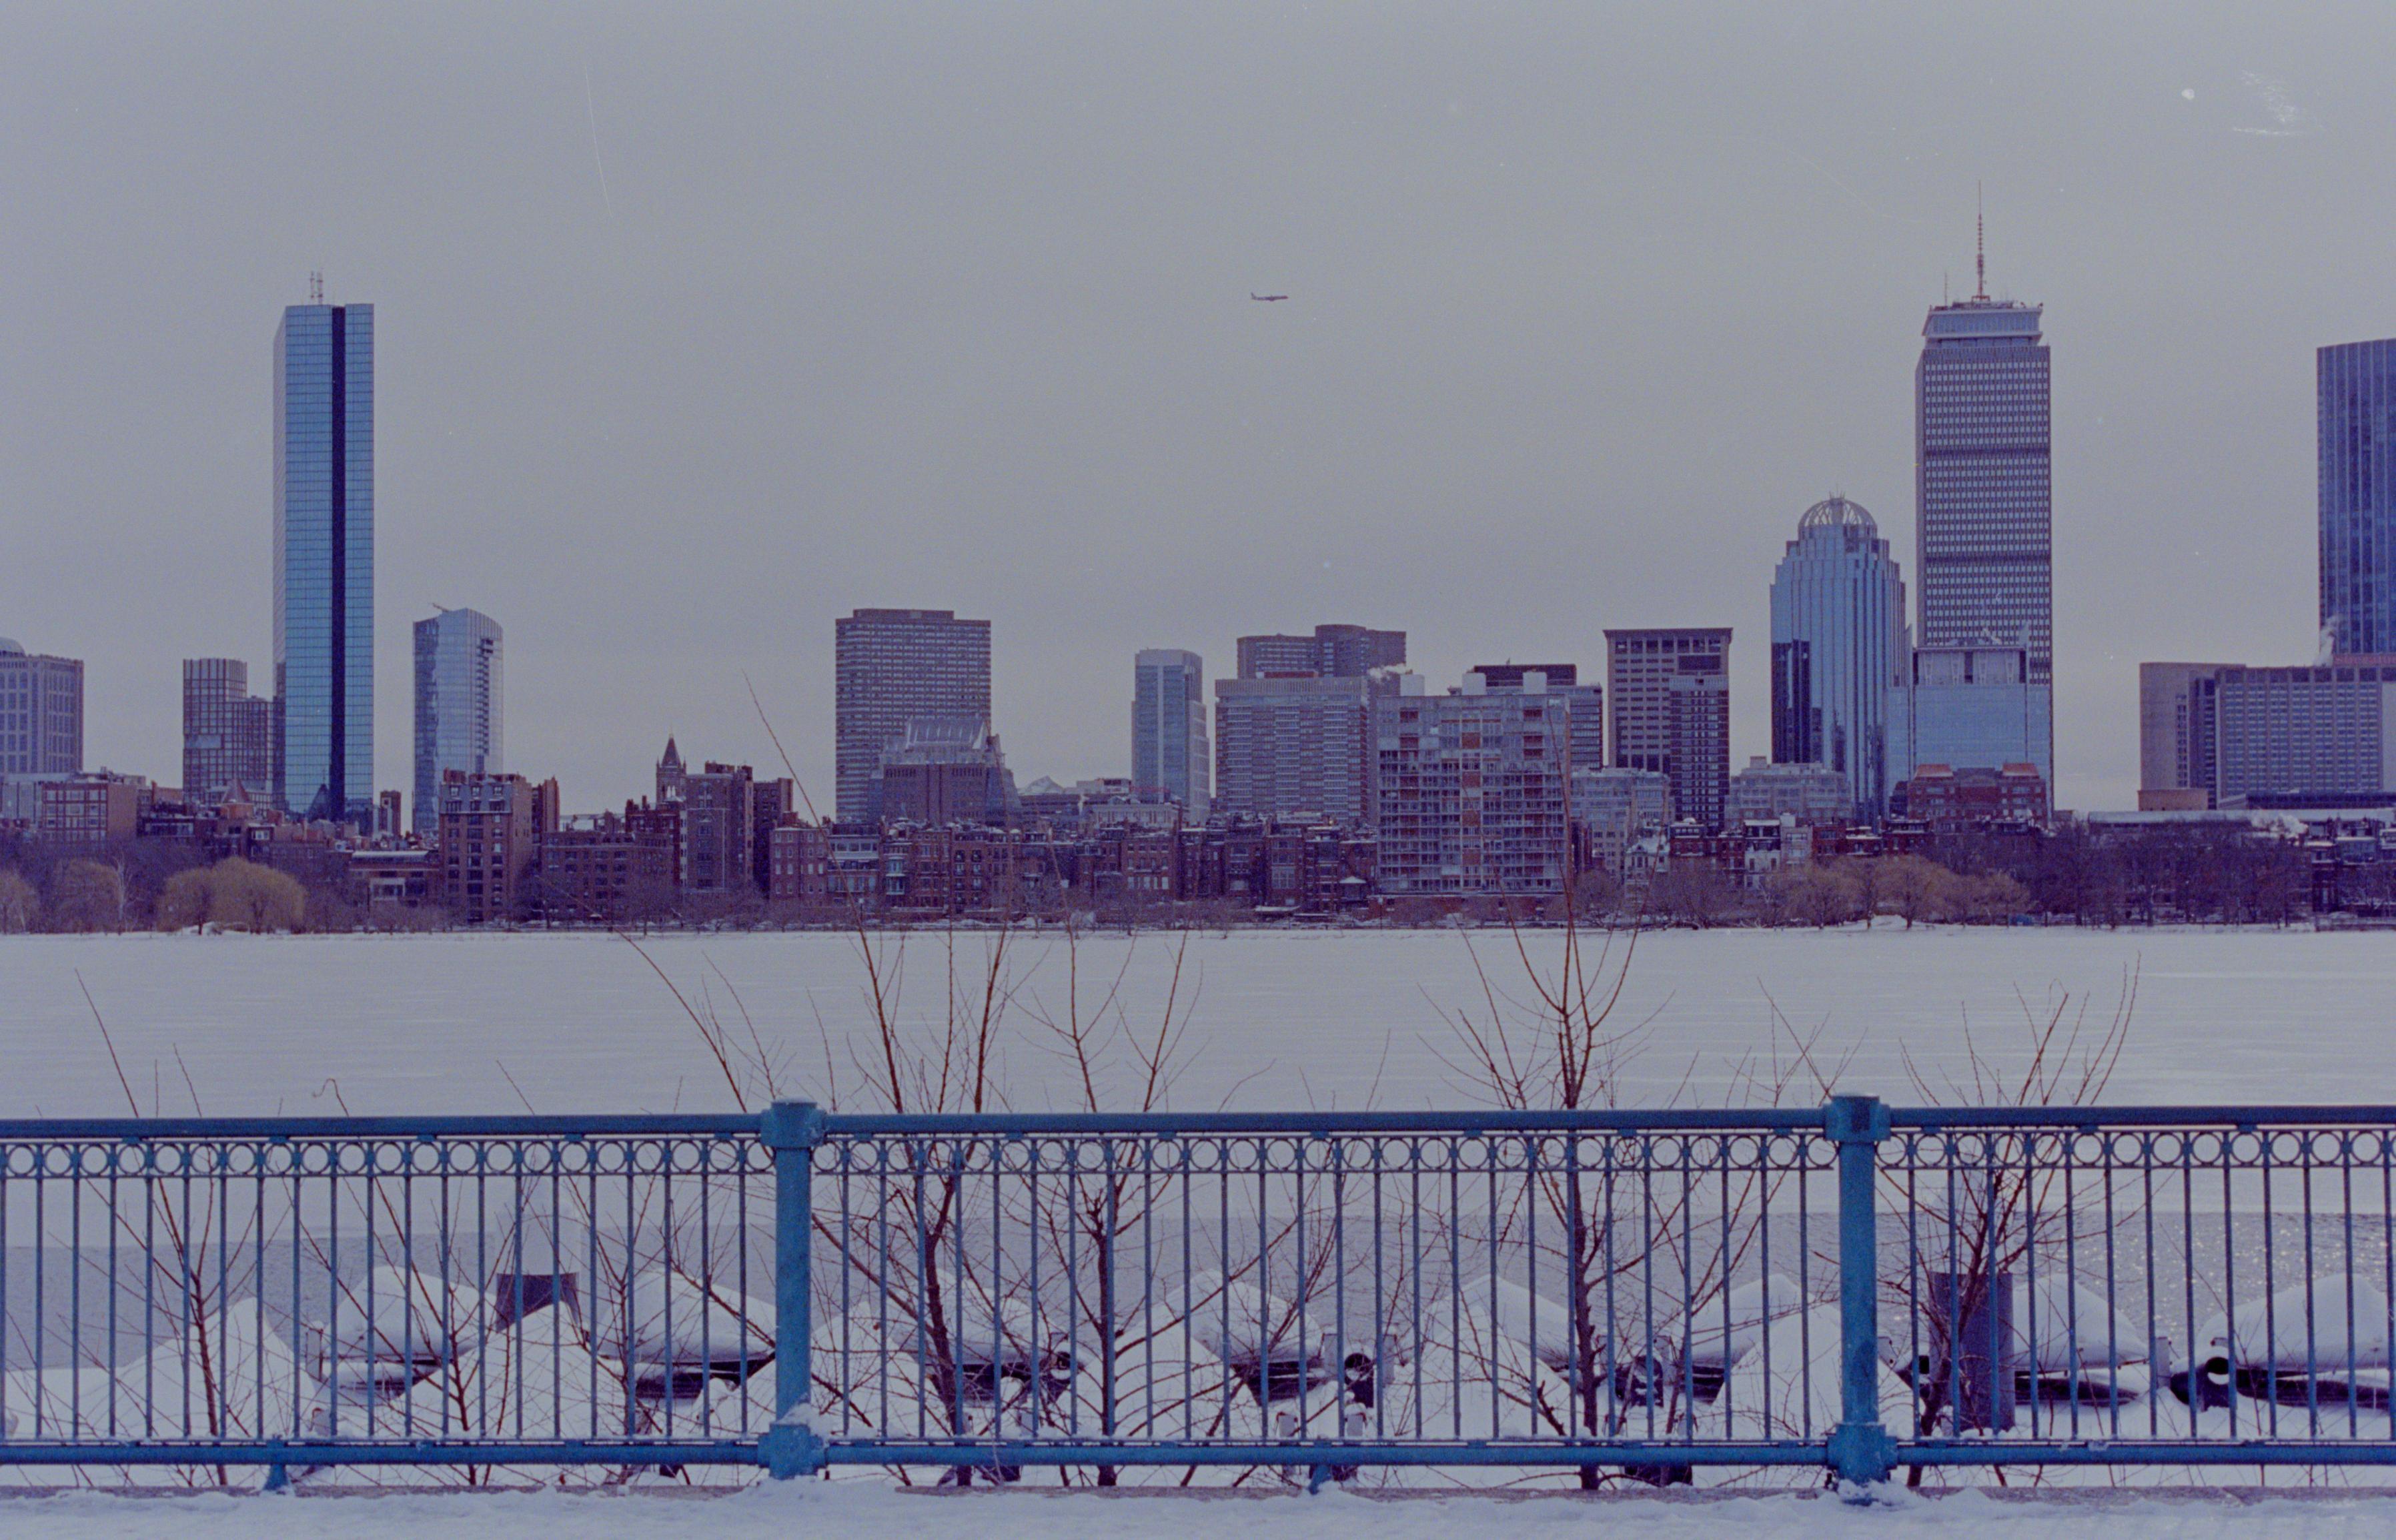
{"points": [[2073, 875]]}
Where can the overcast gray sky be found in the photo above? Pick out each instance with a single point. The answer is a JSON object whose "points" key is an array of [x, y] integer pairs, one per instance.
{"points": [[697, 326]]}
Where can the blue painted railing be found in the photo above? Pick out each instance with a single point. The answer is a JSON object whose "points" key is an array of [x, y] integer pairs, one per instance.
{"points": [[1855, 1287]]}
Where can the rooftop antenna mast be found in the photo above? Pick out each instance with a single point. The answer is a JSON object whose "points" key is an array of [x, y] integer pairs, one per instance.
{"points": [[315, 288], [1980, 255]]}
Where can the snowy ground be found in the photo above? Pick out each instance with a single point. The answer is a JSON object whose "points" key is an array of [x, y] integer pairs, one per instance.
{"points": [[859, 1514], [580, 1022]]}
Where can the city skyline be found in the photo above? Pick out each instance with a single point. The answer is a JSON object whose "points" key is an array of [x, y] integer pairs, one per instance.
{"points": [[1442, 391]]}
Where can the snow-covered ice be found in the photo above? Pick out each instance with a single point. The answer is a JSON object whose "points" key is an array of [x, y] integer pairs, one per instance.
{"points": [[487, 1023]]}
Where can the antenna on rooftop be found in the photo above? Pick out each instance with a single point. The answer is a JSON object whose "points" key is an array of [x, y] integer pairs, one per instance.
{"points": [[1981, 257], [315, 288]]}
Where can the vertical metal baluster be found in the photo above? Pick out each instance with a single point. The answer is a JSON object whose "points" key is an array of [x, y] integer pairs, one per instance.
{"points": [[1917, 1279], [668, 1265], [109, 1155], [1381, 1301], [707, 1294], [1110, 1299], [2229, 1273], [1417, 1262], [2066, 1148], [1616, 1415], [2112, 1296], [333, 1279], [591, 1301], [257, 1298], [74, 1290], [2346, 1209], [1804, 1291], [2157, 1374], [1456, 1285], [1534, 1167], [41, 1292], [515, 1350], [1147, 1279]]}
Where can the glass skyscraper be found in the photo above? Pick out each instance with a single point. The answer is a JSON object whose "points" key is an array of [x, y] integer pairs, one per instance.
{"points": [[2357, 417], [1169, 756], [1838, 646], [458, 700], [1984, 482], [324, 561]]}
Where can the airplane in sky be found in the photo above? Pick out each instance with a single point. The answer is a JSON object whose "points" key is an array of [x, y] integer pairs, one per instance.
{"points": [[1266, 298]]}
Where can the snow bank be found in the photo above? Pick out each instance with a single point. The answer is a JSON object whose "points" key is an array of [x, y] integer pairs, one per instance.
{"points": [[859, 1512]]}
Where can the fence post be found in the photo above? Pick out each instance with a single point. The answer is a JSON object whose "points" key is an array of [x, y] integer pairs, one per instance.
{"points": [[1860, 1450], [792, 1447]]}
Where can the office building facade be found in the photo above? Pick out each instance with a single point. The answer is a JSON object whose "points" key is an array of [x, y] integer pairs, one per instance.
{"points": [[2178, 716], [228, 733], [1334, 652], [1969, 707], [1984, 483], [2231, 736], [459, 696], [892, 664], [2356, 416], [1295, 744], [1838, 645], [1171, 752], [41, 713], [324, 562], [1670, 711]]}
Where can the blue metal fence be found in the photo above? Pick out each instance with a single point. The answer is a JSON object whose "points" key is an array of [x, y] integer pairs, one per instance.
{"points": [[1855, 1287]]}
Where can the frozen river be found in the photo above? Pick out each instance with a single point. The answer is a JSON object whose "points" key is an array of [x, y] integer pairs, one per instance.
{"points": [[580, 1022]]}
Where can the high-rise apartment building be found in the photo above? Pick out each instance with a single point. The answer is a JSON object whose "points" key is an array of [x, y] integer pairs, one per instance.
{"points": [[324, 562], [719, 830], [1170, 756], [1838, 645], [457, 704], [228, 733], [1984, 499], [891, 665], [41, 713], [1564, 686], [1335, 652], [2356, 405], [490, 827], [1670, 712], [1472, 789], [1295, 744]]}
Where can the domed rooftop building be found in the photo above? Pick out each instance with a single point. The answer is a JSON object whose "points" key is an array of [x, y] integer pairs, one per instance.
{"points": [[1838, 648]]}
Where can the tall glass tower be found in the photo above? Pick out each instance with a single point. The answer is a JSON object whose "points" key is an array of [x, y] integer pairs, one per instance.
{"points": [[1984, 482], [1838, 648], [1169, 728], [324, 561], [2357, 417], [459, 696]]}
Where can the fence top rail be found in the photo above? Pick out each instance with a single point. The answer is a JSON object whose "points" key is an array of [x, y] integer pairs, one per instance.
{"points": [[1169, 1124], [1938, 1118], [612, 1125], [1744, 1120]]}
